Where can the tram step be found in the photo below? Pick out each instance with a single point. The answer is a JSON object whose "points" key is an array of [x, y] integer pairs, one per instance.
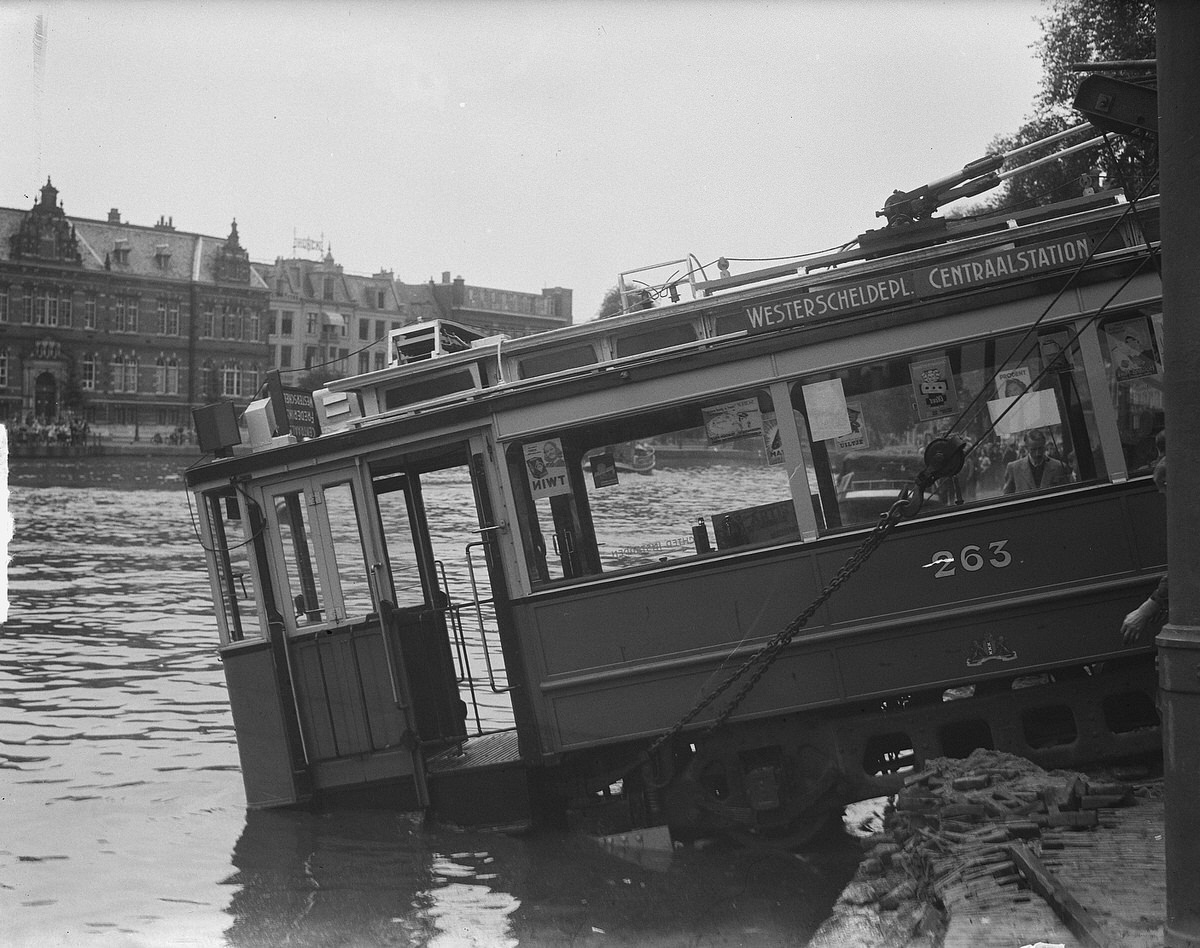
{"points": [[481, 783]]}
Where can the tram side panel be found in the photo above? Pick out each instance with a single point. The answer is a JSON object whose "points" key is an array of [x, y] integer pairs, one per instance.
{"points": [[628, 658]]}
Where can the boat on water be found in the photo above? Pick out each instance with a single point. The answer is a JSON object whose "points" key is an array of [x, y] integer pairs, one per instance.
{"points": [[740, 664]]}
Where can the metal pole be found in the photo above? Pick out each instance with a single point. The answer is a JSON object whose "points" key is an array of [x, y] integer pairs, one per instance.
{"points": [[1178, 34]]}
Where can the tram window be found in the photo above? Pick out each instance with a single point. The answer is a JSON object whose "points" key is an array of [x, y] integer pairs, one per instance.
{"points": [[650, 489], [869, 424], [1132, 348], [304, 584], [232, 538], [347, 550], [392, 500]]}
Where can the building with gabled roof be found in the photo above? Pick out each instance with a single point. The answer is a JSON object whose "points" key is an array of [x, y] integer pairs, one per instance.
{"points": [[126, 327]]}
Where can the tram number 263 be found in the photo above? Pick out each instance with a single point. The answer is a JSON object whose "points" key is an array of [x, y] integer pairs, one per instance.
{"points": [[971, 558]]}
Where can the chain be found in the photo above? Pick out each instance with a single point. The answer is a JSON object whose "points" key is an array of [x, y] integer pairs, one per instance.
{"points": [[766, 655]]}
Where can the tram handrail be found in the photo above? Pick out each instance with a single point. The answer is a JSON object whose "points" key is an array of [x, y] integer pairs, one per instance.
{"points": [[460, 643], [487, 657]]}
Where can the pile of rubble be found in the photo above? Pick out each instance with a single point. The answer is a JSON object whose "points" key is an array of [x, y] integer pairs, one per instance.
{"points": [[964, 836]]}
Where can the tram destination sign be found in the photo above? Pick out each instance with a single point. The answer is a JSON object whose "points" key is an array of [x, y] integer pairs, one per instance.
{"points": [[906, 286], [293, 409]]}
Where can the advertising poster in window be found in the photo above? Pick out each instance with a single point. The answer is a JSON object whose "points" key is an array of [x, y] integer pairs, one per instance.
{"points": [[546, 468], [1131, 349], [857, 438], [732, 420], [1012, 383], [1056, 352], [1157, 322], [604, 469], [772, 439], [933, 386]]}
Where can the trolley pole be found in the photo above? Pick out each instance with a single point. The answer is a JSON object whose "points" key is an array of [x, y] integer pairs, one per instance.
{"points": [[1179, 642]]}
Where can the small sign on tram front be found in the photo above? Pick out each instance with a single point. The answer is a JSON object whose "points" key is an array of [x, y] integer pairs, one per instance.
{"points": [[293, 409]]}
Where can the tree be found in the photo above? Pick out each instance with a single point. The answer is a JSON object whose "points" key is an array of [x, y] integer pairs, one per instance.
{"points": [[611, 304], [1078, 32]]}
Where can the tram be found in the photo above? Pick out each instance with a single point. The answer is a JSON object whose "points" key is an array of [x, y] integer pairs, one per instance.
{"points": [[629, 623]]}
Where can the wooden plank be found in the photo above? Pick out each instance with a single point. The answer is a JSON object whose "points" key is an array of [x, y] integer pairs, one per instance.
{"points": [[1047, 885]]}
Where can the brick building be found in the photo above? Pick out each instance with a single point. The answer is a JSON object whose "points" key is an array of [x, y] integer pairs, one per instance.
{"points": [[125, 326]]}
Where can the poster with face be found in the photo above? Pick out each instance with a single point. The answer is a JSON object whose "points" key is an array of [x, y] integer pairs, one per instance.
{"points": [[1130, 348], [546, 468], [857, 438]]}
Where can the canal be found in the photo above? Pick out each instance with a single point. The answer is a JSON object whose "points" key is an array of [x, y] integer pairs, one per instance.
{"points": [[121, 801]]}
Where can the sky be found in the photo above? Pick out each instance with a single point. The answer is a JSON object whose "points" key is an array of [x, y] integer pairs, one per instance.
{"points": [[519, 144]]}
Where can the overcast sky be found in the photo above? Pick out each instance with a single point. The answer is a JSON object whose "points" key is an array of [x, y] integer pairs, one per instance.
{"points": [[520, 145]]}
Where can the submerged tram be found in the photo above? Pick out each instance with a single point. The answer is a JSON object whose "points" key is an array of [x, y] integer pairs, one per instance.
{"points": [[450, 593]]}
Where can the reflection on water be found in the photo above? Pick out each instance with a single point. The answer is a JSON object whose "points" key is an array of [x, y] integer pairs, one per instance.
{"points": [[123, 810]]}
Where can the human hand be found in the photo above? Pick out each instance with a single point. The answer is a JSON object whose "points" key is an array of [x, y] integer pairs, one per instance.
{"points": [[1136, 622]]}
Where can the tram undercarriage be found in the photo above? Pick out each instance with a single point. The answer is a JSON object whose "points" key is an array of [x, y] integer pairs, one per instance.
{"points": [[783, 781]]}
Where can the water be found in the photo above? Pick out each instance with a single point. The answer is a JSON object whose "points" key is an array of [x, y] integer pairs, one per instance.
{"points": [[122, 817]]}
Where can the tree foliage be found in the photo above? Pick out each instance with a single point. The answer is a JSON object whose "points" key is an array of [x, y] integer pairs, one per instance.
{"points": [[1080, 32], [611, 304]]}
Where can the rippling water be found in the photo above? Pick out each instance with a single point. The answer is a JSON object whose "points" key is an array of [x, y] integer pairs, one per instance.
{"points": [[121, 805]]}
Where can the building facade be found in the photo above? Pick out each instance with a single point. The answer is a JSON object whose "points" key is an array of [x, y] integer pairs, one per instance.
{"points": [[494, 311], [326, 323], [123, 326]]}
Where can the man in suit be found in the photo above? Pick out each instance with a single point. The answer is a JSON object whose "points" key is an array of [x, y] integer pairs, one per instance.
{"points": [[1034, 470]]}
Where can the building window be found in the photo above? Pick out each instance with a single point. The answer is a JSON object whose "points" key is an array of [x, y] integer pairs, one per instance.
{"points": [[3, 368], [229, 324], [364, 327], [161, 316], [379, 360], [206, 322], [381, 299], [252, 326], [285, 323], [172, 386], [126, 314], [172, 327], [27, 311], [160, 375], [87, 377], [3, 304], [364, 362], [380, 329], [89, 311], [310, 356], [272, 317], [250, 382], [285, 357], [231, 379], [327, 288], [312, 323], [64, 308], [131, 374]]}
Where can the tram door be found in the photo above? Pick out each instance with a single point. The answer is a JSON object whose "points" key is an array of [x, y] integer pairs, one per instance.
{"points": [[433, 519], [350, 683]]}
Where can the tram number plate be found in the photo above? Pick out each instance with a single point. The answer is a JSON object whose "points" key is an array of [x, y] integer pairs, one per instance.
{"points": [[971, 558]]}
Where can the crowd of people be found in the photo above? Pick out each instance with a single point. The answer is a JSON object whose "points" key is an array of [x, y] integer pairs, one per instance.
{"points": [[34, 429]]}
